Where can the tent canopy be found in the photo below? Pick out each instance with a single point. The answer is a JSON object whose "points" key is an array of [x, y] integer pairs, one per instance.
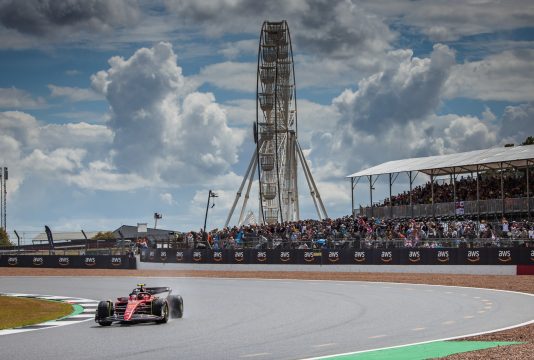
{"points": [[460, 163]]}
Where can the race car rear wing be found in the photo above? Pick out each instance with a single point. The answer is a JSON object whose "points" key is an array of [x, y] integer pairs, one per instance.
{"points": [[158, 290]]}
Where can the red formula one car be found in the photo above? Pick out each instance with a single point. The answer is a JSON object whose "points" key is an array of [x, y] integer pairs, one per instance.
{"points": [[142, 305]]}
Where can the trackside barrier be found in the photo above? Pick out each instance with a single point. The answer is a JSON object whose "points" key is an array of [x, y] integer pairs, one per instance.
{"points": [[406, 256], [71, 261]]}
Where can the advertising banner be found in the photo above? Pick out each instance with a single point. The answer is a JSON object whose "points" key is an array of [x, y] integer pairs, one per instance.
{"points": [[396, 256], [282, 256], [473, 256], [68, 261]]}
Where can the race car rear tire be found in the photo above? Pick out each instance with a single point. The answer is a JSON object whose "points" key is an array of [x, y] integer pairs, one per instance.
{"points": [[161, 308], [177, 306], [103, 311]]}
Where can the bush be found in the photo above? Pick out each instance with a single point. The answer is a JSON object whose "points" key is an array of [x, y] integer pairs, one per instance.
{"points": [[4, 238], [107, 235]]}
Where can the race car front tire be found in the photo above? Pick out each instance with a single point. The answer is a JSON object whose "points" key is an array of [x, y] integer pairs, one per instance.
{"points": [[177, 306], [103, 311], [161, 309]]}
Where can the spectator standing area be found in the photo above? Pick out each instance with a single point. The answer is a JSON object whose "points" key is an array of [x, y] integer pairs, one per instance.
{"points": [[492, 182]]}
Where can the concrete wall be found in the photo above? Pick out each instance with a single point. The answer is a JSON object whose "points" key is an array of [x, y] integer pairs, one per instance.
{"points": [[434, 269]]}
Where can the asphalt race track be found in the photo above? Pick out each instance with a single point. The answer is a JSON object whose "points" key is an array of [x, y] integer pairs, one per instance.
{"points": [[265, 319]]}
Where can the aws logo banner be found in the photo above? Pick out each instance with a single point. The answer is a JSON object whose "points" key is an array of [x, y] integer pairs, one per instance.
{"points": [[116, 261], [239, 257], [475, 256], [89, 261], [261, 256], [179, 256], [443, 256], [163, 255], [12, 261], [361, 256], [285, 256], [309, 256], [415, 256], [387, 256], [197, 256], [504, 256], [38, 261], [218, 256], [282, 256], [333, 256], [63, 261]]}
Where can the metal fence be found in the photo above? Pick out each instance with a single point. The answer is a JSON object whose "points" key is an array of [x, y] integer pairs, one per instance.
{"points": [[356, 243]]}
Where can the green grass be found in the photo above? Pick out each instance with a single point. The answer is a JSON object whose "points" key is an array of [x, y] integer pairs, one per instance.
{"points": [[16, 312], [430, 350]]}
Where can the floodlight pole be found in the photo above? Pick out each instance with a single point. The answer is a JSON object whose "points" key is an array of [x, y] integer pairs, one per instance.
{"points": [[5, 198], [210, 195], [18, 240]]}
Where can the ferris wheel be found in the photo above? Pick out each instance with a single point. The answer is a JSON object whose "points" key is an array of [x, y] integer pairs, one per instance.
{"points": [[278, 151]]}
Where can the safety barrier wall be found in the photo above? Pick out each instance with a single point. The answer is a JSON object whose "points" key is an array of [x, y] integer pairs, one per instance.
{"points": [[406, 256], [71, 261]]}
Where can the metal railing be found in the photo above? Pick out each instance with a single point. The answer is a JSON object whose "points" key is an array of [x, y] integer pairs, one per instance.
{"points": [[369, 242], [471, 208]]}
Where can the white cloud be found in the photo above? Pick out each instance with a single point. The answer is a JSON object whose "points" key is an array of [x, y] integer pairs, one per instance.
{"points": [[314, 118], [41, 22], [517, 123], [36, 150], [334, 28], [240, 113], [13, 99], [59, 160], [163, 128], [232, 50], [392, 115], [73, 93], [230, 76], [93, 137], [101, 175], [500, 77], [446, 20], [167, 198], [409, 89]]}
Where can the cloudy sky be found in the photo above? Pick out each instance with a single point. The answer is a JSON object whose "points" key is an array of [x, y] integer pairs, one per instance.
{"points": [[113, 110]]}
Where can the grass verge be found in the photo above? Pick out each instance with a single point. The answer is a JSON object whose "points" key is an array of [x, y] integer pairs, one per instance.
{"points": [[16, 312]]}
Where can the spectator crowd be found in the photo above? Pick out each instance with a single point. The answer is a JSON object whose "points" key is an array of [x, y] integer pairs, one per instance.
{"points": [[362, 232], [489, 187]]}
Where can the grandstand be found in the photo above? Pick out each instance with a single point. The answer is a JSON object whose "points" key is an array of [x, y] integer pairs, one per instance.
{"points": [[505, 166]]}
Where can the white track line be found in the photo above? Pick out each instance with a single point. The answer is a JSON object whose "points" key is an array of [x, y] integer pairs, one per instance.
{"points": [[86, 315]]}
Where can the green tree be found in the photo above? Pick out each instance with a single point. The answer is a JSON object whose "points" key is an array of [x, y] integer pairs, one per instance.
{"points": [[4, 238], [106, 235], [529, 141]]}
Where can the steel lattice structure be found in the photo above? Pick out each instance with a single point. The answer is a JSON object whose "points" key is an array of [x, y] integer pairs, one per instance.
{"points": [[275, 133]]}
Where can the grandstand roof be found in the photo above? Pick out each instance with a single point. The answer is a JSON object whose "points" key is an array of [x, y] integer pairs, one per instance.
{"points": [[459, 163]]}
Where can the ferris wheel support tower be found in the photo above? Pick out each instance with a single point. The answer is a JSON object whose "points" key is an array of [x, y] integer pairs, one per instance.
{"points": [[278, 151]]}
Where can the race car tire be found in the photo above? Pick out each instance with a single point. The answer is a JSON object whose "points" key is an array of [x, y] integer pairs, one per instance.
{"points": [[177, 306], [103, 311], [161, 308]]}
